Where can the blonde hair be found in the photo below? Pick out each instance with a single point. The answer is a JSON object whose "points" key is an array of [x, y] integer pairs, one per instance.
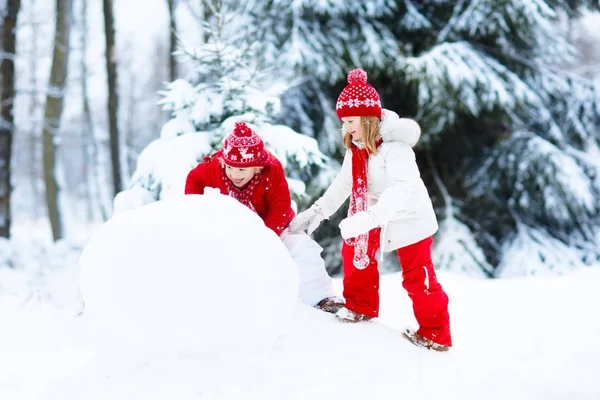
{"points": [[370, 134]]}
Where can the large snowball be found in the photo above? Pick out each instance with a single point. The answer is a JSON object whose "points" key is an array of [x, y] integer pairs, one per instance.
{"points": [[199, 273]]}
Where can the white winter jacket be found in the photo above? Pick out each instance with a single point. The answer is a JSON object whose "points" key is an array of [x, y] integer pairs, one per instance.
{"points": [[397, 195]]}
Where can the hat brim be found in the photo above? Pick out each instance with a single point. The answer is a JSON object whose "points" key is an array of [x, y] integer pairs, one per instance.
{"points": [[358, 112], [267, 160]]}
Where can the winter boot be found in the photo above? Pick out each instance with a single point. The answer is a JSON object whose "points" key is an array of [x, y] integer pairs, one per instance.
{"points": [[349, 316], [421, 341], [330, 304]]}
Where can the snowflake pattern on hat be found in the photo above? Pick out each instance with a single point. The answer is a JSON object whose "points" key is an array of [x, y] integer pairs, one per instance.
{"points": [[243, 148], [358, 99]]}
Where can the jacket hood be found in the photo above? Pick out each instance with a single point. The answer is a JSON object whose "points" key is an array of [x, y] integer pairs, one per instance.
{"points": [[396, 129]]}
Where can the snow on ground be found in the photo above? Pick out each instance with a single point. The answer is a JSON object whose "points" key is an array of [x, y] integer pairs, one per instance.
{"points": [[520, 338]]}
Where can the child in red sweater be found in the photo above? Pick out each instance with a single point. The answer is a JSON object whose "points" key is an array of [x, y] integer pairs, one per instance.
{"points": [[246, 171]]}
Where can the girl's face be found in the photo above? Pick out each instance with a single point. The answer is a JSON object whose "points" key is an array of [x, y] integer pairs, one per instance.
{"points": [[240, 176], [352, 126]]}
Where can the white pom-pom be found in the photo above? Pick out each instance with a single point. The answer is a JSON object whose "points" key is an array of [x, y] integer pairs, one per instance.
{"points": [[357, 75]]}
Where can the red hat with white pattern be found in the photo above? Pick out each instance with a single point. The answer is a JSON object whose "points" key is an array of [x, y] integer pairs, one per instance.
{"points": [[243, 148], [358, 99]]}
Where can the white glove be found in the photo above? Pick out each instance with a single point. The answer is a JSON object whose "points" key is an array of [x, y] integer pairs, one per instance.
{"points": [[359, 223], [309, 220]]}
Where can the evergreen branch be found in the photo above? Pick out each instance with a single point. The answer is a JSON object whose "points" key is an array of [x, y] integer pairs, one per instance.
{"points": [[456, 15], [448, 203]]}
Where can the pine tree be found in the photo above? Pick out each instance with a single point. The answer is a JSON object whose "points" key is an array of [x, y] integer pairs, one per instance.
{"points": [[510, 137], [529, 178], [230, 82]]}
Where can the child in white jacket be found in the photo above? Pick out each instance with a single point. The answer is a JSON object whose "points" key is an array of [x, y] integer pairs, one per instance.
{"points": [[389, 208]]}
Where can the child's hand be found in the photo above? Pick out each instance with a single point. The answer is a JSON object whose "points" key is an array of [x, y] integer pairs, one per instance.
{"points": [[309, 220], [211, 191], [359, 223]]}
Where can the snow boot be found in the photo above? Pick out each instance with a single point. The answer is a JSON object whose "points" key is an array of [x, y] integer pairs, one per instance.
{"points": [[349, 316], [330, 304], [421, 341]]}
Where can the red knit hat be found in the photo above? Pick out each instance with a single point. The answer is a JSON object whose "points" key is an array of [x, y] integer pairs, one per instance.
{"points": [[358, 99], [243, 148]]}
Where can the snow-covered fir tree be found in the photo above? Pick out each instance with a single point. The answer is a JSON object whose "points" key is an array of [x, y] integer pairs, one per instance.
{"points": [[230, 82], [510, 136], [516, 132]]}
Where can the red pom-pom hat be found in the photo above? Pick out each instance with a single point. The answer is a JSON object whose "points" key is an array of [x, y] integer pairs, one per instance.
{"points": [[243, 148], [358, 99]]}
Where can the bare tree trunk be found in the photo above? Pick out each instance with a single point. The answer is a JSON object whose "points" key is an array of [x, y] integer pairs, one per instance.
{"points": [[172, 39], [7, 77], [53, 112], [131, 100], [87, 130], [92, 173], [34, 104], [113, 98]]}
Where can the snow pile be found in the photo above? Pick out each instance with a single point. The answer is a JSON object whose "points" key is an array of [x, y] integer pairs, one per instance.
{"points": [[226, 284]]}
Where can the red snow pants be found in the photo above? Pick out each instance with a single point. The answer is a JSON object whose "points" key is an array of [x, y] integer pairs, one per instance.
{"points": [[430, 302]]}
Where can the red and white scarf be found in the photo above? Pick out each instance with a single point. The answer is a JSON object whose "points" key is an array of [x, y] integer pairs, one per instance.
{"points": [[359, 202], [244, 194]]}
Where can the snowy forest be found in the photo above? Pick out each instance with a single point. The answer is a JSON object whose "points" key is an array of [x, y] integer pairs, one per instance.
{"points": [[107, 105]]}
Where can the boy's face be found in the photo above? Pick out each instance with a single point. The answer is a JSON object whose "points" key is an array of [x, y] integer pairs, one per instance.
{"points": [[352, 126], [240, 176]]}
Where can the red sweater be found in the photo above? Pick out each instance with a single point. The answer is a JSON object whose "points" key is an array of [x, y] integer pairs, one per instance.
{"points": [[271, 198]]}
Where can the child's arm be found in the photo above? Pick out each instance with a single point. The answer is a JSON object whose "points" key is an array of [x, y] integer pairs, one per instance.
{"points": [[279, 200], [326, 205], [403, 177], [196, 182]]}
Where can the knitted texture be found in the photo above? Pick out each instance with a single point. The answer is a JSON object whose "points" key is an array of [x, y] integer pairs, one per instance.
{"points": [[358, 99], [243, 148]]}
